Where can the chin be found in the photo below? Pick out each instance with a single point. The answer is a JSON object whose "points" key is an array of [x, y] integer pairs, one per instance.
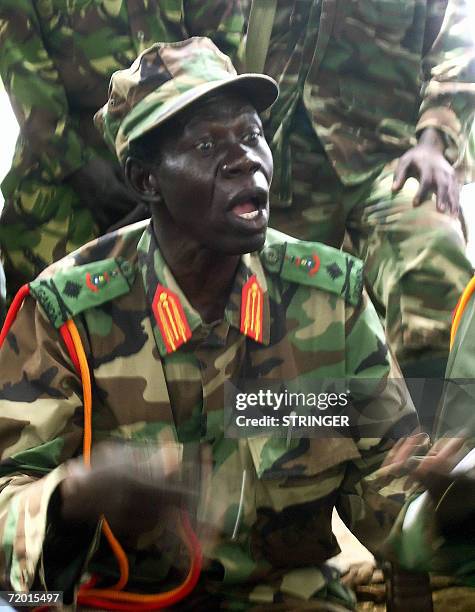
{"points": [[244, 245]]}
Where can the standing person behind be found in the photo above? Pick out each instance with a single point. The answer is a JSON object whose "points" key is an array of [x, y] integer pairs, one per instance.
{"points": [[56, 58], [373, 93]]}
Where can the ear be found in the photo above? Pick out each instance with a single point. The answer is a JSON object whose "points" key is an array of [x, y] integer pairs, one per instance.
{"points": [[141, 179]]}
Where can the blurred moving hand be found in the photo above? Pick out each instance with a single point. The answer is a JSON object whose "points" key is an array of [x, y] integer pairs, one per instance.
{"points": [[133, 486], [102, 189], [453, 493]]}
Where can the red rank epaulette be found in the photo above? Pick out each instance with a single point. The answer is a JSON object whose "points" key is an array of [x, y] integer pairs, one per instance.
{"points": [[171, 319], [252, 309]]}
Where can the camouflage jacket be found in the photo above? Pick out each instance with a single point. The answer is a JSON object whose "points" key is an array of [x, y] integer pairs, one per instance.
{"points": [[57, 57], [371, 74], [163, 385]]}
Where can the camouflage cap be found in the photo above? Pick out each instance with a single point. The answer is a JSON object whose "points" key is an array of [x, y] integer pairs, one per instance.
{"points": [[165, 79]]}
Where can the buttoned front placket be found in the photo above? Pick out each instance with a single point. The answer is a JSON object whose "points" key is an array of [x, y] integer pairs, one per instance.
{"points": [[198, 357]]}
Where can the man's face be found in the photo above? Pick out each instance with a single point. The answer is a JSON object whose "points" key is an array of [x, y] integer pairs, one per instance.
{"points": [[214, 175]]}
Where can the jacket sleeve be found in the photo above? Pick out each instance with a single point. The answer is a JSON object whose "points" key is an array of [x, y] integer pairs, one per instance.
{"points": [[41, 427], [37, 95], [222, 21], [448, 73], [369, 500], [391, 516], [415, 540]]}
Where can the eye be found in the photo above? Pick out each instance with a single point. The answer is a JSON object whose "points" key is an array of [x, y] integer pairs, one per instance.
{"points": [[205, 146], [252, 137]]}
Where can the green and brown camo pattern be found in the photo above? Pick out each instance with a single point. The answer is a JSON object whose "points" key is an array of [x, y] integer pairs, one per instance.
{"points": [[56, 61], [314, 327], [414, 257], [163, 80], [372, 74]]}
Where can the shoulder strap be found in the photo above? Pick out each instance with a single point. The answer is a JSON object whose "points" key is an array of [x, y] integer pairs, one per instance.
{"points": [[73, 290], [261, 20], [314, 264]]}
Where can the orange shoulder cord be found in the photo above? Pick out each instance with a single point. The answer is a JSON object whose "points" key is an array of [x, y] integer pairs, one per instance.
{"points": [[459, 309], [114, 598]]}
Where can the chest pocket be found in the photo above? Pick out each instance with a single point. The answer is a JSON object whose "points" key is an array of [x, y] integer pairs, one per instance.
{"points": [[300, 472]]}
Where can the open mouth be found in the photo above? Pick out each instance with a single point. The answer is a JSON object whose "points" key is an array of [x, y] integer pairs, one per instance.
{"points": [[248, 209]]}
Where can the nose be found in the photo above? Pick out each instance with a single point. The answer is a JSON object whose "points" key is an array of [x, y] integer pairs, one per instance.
{"points": [[245, 162]]}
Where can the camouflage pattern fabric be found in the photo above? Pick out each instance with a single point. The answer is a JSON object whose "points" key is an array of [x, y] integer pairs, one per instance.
{"points": [[371, 75], [358, 81], [55, 62], [314, 326], [415, 266]]}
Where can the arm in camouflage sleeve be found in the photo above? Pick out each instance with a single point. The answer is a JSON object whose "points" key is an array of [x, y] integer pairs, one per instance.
{"points": [[448, 72], [388, 516], [37, 93], [222, 21], [40, 428], [417, 541], [370, 501]]}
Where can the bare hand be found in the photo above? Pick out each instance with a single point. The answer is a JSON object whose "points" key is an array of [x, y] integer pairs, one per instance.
{"points": [[453, 494], [427, 163], [359, 573]]}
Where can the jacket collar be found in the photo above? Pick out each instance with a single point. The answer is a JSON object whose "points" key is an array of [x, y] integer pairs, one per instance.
{"points": [[176, 322]]}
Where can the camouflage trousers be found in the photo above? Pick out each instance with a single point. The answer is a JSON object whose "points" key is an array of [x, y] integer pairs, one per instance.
{"points": [[40, 223], [415, 263]]}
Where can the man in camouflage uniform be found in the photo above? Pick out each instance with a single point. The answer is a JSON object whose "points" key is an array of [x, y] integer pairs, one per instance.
{"points": [[56, 58], [167, 312], [373, 93]]}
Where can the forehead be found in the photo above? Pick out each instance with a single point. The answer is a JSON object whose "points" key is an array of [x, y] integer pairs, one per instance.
{"points": [[221, 108], [217, 107]]}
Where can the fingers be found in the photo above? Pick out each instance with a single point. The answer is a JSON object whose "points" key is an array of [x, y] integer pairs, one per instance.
{"points": [[402, 173], [434, 470], [426, 183], [359, 573], [442, 197], [396, 462], [447, 190], [434, 481], [434, 173], [405, 448], [448, 449], [438, 176], [454, 198]]}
